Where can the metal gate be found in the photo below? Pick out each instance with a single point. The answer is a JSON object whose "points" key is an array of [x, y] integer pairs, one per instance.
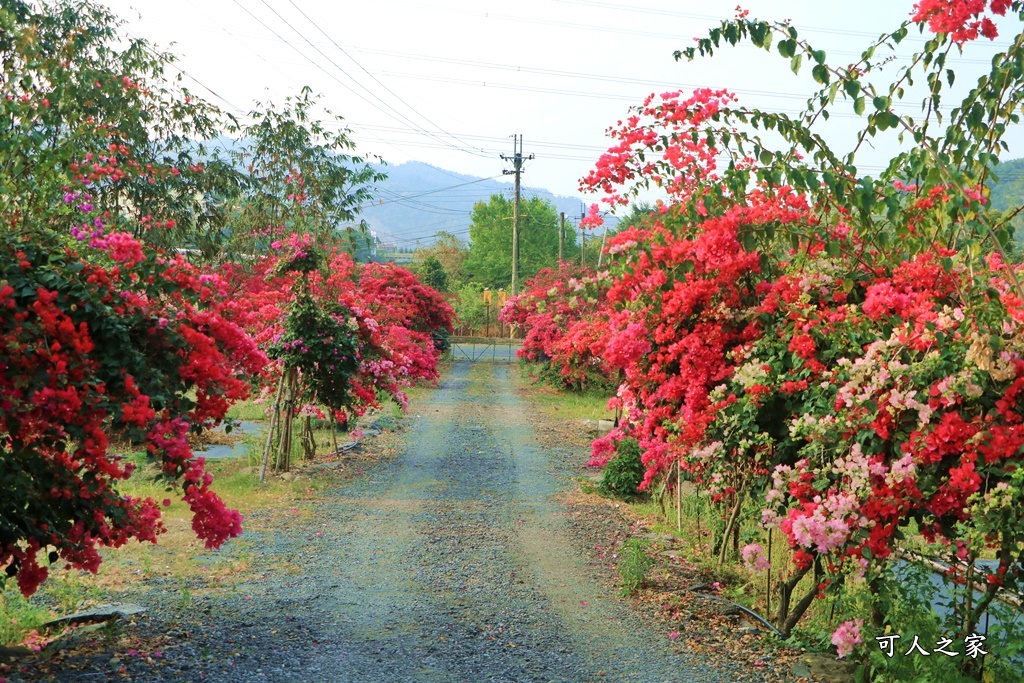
{"points": [[478, 349]]}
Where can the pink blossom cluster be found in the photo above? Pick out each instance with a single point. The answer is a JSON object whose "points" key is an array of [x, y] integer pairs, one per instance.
{"points": [[846, 636]]}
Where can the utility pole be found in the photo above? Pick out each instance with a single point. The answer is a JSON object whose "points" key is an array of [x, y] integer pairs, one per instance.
{"points": [[583, 236], [561, 236], [517, 170]]}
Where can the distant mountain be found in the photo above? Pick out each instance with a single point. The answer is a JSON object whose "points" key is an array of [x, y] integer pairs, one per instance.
{"points": [[419, 200]]}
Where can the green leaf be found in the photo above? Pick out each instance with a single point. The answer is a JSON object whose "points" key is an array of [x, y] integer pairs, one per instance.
{"points": [[852, 88], [820, 74], [858, 106], [881, 103]]}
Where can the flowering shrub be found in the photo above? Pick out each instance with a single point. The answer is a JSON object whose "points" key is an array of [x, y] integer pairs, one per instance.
{"points": [[123, 339], [837, 356], [104, 334], [563, 314], [353, 330]]}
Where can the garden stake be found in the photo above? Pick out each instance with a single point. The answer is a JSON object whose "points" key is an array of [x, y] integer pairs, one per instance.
{"points": [[273, 419], [284, 445], [679, 497], [696, 506], [768, 580]]}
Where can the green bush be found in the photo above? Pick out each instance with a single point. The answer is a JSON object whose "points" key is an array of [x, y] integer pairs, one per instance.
{"points": [[623, 474]]}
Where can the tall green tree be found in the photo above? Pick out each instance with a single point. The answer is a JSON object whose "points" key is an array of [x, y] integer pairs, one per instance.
{"points": [[450, 252], [82, 102], [301, 177], [490, 252], [432, 274]]}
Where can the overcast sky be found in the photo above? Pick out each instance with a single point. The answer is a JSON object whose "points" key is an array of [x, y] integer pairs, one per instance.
{"points": [[447, 82]]}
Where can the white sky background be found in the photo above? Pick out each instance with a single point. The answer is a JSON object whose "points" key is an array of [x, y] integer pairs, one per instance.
{"points": [[473, 72]]}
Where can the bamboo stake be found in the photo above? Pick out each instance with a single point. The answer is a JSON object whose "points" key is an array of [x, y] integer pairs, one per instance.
{"points": [[768, 580], [679, 497], [284, 450], [273, 420], [699, 533]]}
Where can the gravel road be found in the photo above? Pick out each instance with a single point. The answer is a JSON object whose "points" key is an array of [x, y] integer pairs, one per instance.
{"points": [[450, 563]]}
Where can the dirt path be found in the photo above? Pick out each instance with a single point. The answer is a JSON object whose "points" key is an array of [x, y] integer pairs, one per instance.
{"points": [[451, 563]]}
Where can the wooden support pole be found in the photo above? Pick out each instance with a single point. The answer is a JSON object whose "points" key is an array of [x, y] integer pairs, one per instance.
{"points": [[679, 496], [273, 421], [768, 579]]}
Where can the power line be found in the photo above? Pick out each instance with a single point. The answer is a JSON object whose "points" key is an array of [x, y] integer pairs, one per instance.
{"points": [[490, 138], [365, 70], [287, 75], [564, 74], [392, 113], [165, 60], [440, 189], [388, 107]]}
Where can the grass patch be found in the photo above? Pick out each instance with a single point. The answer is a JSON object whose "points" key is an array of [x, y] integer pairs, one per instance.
{"points": [[179, 557], [564, 405], [18, 616], [248, 411]]}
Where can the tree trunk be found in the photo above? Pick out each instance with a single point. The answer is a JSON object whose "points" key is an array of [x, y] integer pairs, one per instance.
{"points": [[308, 440], [877, 615], [733, 516], [805, 602], [785, 591]]}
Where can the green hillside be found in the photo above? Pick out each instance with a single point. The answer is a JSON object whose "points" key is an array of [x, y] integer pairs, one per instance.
{"points": [[1008, 194]]}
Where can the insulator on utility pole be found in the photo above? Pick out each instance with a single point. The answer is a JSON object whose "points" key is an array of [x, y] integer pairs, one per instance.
{"points": [[517, 170]]}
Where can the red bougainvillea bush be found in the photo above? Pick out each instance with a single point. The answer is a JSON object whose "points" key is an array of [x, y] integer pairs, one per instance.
{"points": [[384, 309], [834, 357], [563, 313], [102, 334], [112, 337]]}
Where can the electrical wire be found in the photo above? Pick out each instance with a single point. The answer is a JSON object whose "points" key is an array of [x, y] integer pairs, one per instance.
{"points": [[384, 110], [365, 70]]}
